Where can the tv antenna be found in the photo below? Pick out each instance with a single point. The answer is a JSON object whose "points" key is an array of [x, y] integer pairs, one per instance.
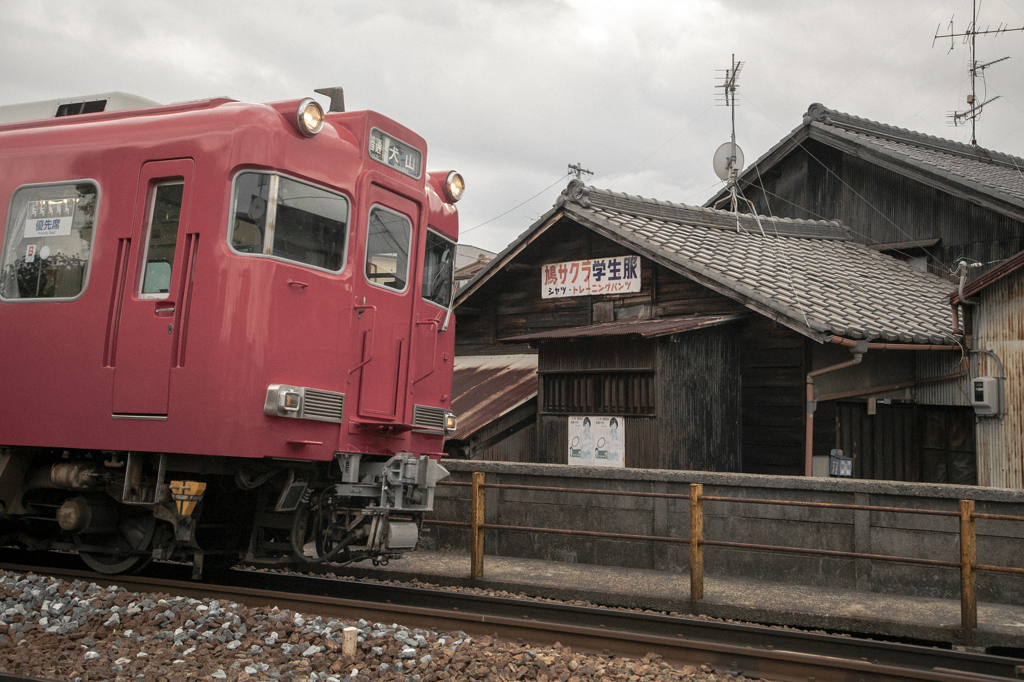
{"points": [[728, 160], [578, 170], [969, 36]]}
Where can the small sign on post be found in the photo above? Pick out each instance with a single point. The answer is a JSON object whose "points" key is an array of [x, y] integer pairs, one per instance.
{"points": [[840, 466]]}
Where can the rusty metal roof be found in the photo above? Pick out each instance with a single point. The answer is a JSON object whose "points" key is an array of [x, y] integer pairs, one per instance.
{"points": [[486, 387], [645, 328]]}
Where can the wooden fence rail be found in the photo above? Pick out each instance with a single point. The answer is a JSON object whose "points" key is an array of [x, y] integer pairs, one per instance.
{"points": [[967, 563]]}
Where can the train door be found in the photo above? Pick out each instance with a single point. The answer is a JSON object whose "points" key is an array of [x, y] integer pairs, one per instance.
{"points": [[384, 303], [150, 282]]}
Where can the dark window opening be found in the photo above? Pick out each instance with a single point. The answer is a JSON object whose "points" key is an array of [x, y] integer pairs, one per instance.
{"points": [[599, 393], [76, 108]]}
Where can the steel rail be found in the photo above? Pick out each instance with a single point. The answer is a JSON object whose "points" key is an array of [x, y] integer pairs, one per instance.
{"points": [[754, 650]]}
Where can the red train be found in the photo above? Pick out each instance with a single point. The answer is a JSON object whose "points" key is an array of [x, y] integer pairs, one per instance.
{"points": [[226, 331]]}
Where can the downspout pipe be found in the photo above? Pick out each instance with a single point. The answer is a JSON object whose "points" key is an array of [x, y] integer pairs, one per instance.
{"points": [[859, 349]]}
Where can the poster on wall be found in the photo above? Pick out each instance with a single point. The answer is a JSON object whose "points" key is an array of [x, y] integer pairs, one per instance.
{"points": [[597, 441]]}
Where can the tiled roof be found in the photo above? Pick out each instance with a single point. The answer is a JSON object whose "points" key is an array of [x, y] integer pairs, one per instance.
{"points": [[932, 160], [809, 272], [985, 171]]}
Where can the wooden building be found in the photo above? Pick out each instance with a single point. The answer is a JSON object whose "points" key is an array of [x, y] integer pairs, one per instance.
{"points": [[920, 198], [933, 203], [705, 355]]}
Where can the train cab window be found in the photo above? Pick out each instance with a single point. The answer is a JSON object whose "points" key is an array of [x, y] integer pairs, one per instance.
{"points": [[438, 269], [387, 248], [164, 217], [48, 241], [283, 218]]}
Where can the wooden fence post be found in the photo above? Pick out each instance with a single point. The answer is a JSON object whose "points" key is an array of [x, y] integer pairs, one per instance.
{"points": [[968, 574], [696, 545], [476, 568]]}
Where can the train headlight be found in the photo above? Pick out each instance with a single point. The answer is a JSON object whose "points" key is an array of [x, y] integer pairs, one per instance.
{"points": [[451, 423], [455, 185], [310, 117]]}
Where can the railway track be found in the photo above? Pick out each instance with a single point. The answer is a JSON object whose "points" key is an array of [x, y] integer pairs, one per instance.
{"points": [[751, 650]]}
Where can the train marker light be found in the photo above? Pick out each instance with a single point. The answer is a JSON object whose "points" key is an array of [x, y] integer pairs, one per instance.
{"points": [[455, 185], [291, 401], [451, 422], [310, 117]]}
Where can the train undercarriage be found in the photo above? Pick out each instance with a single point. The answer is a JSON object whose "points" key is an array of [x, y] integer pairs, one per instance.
{"points": [[121, 510]]}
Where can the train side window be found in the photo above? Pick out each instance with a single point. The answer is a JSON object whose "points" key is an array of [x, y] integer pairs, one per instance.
{"points": [[387, 248], [164, 219], [438, 269], [48, 241], [279, 217]]}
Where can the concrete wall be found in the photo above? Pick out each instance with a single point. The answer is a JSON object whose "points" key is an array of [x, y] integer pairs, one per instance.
{"points": [[1000, 543]]}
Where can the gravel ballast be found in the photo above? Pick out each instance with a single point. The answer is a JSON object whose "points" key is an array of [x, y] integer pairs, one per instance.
{"points": [[82, 631]]}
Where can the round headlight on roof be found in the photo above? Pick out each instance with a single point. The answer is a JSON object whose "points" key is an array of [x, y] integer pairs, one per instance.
{"points": [[454, 186], [310, 117]]}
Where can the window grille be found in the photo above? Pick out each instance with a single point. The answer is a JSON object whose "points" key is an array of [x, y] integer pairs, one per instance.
{"points": [[612, 393]]}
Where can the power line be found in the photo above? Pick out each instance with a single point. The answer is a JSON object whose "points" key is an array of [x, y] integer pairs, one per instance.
{"points": [[560, 178], [847, 185]]}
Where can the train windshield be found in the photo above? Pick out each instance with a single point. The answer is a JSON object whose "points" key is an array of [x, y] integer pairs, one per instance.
{"points": [[281, 217], [438, 270], [48, 241]]}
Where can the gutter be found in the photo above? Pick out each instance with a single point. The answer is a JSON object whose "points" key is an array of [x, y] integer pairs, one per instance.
{"points": [[858, 348]]}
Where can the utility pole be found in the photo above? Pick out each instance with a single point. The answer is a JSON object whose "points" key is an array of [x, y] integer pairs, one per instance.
{"points": [[969, 37], [578, 170]]}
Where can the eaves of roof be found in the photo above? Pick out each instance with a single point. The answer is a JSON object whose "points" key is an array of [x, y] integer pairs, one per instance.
{"points": [[868, 139], [508, 253], [997, 273], [827, 286]]}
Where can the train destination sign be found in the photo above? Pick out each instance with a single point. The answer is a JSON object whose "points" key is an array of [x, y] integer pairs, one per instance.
{"points": [[616, 275], [402, 157], [47, 218]]}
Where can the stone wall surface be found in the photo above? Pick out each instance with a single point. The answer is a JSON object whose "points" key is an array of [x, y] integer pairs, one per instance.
{"points": [[875, 532]]}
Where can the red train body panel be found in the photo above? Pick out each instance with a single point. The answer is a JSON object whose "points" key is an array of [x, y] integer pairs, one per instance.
{"points": [[308, 262]]}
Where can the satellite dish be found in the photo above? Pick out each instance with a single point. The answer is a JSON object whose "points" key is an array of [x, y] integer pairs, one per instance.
{"points": [[721, 160]]}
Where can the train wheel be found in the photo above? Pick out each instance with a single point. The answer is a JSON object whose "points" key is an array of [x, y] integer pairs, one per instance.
{"points": [[135, 533]]}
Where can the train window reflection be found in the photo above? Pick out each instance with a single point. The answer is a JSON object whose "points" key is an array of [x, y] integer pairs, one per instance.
{"points": [[438, 270], [280, 217], [48, 241], [164, 219], [387, 248]]}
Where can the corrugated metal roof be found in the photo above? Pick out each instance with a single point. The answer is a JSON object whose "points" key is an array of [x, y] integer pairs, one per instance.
{"points": [[991, 277], [486, 387], [645, 328]]}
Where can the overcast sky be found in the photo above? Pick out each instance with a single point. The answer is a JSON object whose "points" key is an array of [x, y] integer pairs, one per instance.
{"points": [[509, 92]]}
